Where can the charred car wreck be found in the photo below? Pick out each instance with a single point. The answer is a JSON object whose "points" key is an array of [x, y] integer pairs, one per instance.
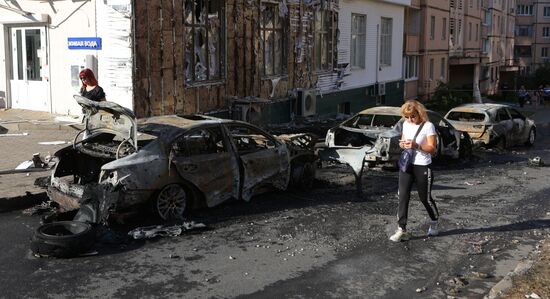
{"points": [[371, 138], [172, 163]]}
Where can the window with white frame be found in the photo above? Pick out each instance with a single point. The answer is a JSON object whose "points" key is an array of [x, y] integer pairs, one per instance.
{"points": [[545, 31], [524, 10], [546, 12], [432, 27], [204, 25], [272, 40], [324, 40], [358, 40], [410, 67], [544, 52], [386, 41]]}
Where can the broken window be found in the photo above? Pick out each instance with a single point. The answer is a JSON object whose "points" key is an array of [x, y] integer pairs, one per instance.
{"points": [[272, 40], [199, 142], [249, 140], [324, 40], [204, 40]]}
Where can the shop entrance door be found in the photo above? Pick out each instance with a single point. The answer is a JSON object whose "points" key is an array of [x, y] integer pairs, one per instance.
{"points": [[29, 87]]}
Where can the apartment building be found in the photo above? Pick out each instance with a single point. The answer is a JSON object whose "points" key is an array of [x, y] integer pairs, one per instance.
{"points": [[532, 34], [433, 48], [497, 68], [465, 45]]}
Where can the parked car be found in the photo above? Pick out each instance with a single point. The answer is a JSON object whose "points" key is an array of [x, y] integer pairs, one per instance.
{"points": [[372, 136], [172, 163], [493, 124]]}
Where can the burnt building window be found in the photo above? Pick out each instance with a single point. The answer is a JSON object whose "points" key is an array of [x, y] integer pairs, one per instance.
{"points": [[272, 40], [324, 40], [204, 25]]}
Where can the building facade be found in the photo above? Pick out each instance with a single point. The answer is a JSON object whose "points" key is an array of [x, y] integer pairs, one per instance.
{"points": [[532, 34]]}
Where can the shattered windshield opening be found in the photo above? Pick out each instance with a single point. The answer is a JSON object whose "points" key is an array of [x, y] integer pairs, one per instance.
{"points": [[372, 120], [466, 116]]}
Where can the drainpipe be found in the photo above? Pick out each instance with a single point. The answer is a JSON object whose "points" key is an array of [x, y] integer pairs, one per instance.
{"points": [[376, 87]]}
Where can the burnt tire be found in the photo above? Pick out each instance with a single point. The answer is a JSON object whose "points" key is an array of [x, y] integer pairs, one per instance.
{"points": [[531, 137], [63, 239], [302, 175], [171, 202]]}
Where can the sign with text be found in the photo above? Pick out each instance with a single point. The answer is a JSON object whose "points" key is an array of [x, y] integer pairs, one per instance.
{"points": [[84, 43]]}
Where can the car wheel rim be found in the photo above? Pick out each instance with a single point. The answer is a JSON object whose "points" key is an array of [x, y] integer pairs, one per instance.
{"points": [[171, 202]]}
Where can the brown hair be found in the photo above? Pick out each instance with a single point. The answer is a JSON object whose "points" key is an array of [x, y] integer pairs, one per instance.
{"points": [[412, 107]]}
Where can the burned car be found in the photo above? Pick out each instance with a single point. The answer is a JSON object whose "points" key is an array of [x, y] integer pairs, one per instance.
{"points": [[493, 124], [372, 137], [172, 163]]}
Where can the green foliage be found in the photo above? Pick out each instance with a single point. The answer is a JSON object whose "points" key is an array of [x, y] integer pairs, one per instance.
{"points": [[541, 76], [446, 98]]}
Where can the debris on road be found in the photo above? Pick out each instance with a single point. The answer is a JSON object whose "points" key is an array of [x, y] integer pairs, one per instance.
{"points": [[152, 231], [45, 207], [473, 183], [35, 164], [14, 134], [60, 142], [532, 295], [536, 161], [420, 290]]}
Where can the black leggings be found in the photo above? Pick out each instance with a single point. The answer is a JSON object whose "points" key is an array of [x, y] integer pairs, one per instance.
{"points": [[423, 176]]}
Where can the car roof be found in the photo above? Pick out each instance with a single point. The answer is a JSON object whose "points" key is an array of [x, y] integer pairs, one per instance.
{"points": [[479, 107], [389, 110]]}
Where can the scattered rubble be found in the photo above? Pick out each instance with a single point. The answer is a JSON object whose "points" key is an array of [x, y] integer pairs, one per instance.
{"points": [[152, 231], [536, 161]]}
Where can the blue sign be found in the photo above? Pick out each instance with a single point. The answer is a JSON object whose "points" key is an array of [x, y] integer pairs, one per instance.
{"points": [[84, 43]]}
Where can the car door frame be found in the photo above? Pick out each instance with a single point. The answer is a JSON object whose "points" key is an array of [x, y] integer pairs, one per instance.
{"points": [[188, 169], [505, 125], [246, 162]]}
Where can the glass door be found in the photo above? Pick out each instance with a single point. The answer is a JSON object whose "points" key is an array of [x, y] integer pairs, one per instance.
{"points": [[29, 84]]}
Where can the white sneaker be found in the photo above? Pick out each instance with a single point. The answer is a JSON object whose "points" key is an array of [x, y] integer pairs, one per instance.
{"points": [[432, 230], [400, 235]]}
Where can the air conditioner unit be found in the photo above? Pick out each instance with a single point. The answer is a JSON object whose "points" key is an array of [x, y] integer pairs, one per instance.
{"points": [[307, 100], [381, 89]]}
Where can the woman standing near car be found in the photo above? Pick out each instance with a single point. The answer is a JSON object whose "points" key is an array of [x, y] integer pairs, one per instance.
{"points": [[90, 88], [420, 173]]}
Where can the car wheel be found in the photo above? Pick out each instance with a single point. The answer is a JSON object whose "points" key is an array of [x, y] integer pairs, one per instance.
{"points": [[465, 151], [502, 144], [171, 202], [63, 239], [302, 175], [531, 138]]}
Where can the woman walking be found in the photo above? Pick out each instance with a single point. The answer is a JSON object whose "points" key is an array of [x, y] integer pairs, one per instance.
{"points": [[416, 125]]}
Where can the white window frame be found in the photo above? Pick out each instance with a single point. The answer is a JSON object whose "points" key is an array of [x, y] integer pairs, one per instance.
{"points": [[524, 10], [358, 41], [546, 12], [410, 67], [386, 30]]}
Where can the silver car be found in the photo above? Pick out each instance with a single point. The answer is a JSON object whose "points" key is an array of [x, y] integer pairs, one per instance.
{"points": [[172, 163], [493, 124]]}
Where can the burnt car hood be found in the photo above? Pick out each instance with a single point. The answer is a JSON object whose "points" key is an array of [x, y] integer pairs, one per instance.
{"points": [[108, 117]]}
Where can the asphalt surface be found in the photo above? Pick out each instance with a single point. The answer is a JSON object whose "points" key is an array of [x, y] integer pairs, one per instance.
{"points": [[321, 243]]}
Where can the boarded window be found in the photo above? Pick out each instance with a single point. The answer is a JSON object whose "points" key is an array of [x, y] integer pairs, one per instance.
{"points": [[358, 40], [272, 40], [385, 41], [324, 40], [204, 40]]}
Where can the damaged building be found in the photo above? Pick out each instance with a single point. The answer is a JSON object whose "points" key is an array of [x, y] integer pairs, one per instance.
{"points": [[260, 61]]}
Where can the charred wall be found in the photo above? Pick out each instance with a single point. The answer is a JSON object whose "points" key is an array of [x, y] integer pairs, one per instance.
{"points": [[181, 66]]}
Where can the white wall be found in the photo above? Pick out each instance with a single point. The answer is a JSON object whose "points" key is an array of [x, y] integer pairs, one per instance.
{"points": [[374, 10], [63, 19], [77, 19]]}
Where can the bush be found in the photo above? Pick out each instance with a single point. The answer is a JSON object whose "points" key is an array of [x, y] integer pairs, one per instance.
{"points": [[446, 98]]}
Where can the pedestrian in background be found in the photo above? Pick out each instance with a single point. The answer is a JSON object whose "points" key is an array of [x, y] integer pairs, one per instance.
{"points": [[90, 88], [523, 95], [538, 95], [546, 95], [416, 124]]}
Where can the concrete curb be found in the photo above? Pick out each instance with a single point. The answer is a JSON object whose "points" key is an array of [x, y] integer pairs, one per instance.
{"points": [[506, 282]]}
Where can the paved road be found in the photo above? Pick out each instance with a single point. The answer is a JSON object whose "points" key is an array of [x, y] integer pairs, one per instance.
{"points": [[325, 243]]}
